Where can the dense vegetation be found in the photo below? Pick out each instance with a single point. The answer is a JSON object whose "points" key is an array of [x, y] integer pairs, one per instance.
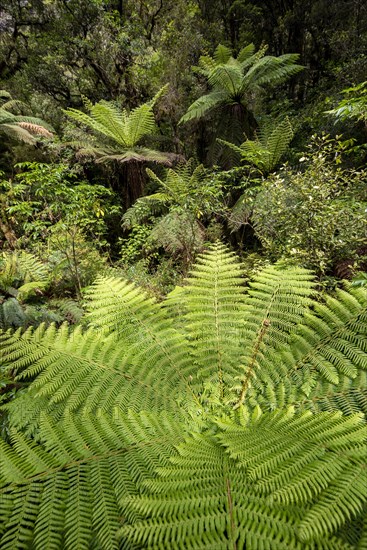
{"points": [[183, 274]]}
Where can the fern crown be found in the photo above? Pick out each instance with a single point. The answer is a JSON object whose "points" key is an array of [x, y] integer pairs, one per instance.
{"points": [[232, 80], [229, 416], [117, 134]]}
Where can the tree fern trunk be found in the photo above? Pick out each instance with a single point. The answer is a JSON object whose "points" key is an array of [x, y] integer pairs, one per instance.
{"points": [[132, 182], [8, 234]]}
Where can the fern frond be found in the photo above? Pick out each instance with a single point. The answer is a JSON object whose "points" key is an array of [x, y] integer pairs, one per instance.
{"points": [[14, 131], [99, 470], [113, 122], [226, 77], [203, 105], [273, 70], [274, 307], [246, 52], [214, 301], [222, 54], [266, 151], [141, 122], [35, 129], [90, 122], [139, 154], [233, 425]]}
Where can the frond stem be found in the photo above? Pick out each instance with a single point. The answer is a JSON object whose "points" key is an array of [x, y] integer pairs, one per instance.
{"points": [[245, 383], [219, 353], [263, 329], [230, 506]]}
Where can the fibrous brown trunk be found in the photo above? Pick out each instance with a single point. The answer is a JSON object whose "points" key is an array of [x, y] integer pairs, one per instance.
{"points": [[8, 234]]}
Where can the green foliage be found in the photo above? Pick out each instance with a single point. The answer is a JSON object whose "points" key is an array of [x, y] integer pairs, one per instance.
{"points": [[22, 277], [315, 216], [184, 199], [232, 79], [25, 285], [214, 420], [354, 105], [360, 279], [42, 195], [186, 188], [75, 261], [118, 133], [270, 145], [21, 267], [235, 83]]}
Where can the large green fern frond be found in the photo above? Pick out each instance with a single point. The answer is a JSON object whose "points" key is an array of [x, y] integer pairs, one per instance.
{"points": [[273, 70], [141, 123], [252, 435], [229, 496], [203, 106], [124, 129], [226, 77], [65, 493], [222, 54], [246, 53]]}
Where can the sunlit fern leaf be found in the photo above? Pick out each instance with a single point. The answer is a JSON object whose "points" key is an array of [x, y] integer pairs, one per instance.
{"points": [[222, 54], [348, 396], [83, 492], [328, 349], [270, 70], [203, 105], [226, 77], [245, 53], [140, 123], [221, 427], [205, 499], [214, 300], [21, 267], [306, 462]]}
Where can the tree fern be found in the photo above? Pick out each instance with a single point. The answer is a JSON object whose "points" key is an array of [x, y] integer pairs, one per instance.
{"points": [[233, 78], [123, 130], [237, 424], [263, 154], [117, 135], [18, 126], [268, 148], [234, 83], [183, 197]]}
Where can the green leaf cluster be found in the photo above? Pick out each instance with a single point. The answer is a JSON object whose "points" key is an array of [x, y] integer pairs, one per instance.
{"points": [[314, 215]]}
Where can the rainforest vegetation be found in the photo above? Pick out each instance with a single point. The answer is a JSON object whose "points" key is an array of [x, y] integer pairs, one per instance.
{"points": [[183, 274]]}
